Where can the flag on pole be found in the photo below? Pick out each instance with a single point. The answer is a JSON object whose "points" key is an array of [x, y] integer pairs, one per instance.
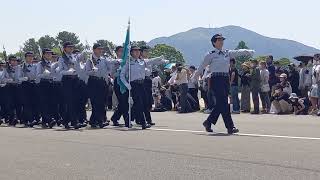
{"points": [[125, 58]]}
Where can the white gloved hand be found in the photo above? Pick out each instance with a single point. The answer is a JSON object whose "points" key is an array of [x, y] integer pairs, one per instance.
{"points": [[128, 87], [9, 80], [161, 57], [23, 79], [94, 69], [46, 72], [130, 101]]}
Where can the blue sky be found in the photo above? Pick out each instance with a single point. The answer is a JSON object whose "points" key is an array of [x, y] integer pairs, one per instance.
{"points": [[107, 19]]}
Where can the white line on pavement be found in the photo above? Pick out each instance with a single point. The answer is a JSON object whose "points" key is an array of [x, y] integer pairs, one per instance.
{"points": [[241, 134]]}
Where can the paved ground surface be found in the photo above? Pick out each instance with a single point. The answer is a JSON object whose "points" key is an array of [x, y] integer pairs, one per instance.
{"points": [[268, 147]]}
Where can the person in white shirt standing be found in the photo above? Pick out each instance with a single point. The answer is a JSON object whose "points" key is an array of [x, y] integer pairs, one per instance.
{"points": [[182, 82], [314, 93], [193, 87], [305, 80], [265, 88], [156, 85]]}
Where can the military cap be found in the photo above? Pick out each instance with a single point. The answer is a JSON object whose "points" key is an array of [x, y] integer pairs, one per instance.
{"points": [[29, 53], [12, 57], [134, 48], [46, 50], [97, 46], [68, 44], [118, 48], [143, 48], [217, 36]]}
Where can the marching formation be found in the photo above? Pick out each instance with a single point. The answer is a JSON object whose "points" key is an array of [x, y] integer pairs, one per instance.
{"points": [[56, 90]]}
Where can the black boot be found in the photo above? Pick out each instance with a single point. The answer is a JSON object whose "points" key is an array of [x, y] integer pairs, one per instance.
{"points": [[207, 126], [233, 130]]}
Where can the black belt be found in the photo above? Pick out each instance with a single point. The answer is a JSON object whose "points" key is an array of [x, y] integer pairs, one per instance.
{"points": [[70, 76], [46, 80], [219, 74], [96, 78], [29, 81], [148, 77], [138, 81]]}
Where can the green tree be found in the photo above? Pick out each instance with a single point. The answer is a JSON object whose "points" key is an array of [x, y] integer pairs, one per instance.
{"points": [[47, 42], [284, 61], [241, 59], [31, 45], [261, 58], [108, 47], [139, 43], [64, 36], [169, 53], [1, 56]]}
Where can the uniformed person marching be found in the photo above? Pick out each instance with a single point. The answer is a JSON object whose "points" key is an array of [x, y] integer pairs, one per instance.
{"points": [[13, 108], [27, 76], [98, 68], [3, 92], [46, 90], [83, 91], [122, 108], [137, 77], [56, 90], [219, 62], [148, 100], [69, 67]]}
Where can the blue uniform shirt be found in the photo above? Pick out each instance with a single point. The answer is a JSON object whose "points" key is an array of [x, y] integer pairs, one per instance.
{"points": [[219, 60]]}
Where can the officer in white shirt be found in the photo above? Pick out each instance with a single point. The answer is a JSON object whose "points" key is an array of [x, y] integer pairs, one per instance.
{"points": [[83, 89], [13, 105], [45, 79], [98, 68], [69, 68], [27, 76], [219, 64], [123, 106], [3, 92], [148, 80], [137, 77]]}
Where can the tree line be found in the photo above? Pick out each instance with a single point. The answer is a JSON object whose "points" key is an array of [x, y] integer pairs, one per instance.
{"points": [[55, 43]]}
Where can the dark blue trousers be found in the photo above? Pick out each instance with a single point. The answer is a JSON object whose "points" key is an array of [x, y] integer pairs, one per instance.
{"points": [[138, 94], [123, 106], [220, 87]]}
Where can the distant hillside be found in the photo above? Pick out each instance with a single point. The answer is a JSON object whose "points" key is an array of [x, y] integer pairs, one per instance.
{"points": [[195, 43]]}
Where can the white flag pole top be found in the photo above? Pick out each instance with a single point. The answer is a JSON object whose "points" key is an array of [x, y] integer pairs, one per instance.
{"points": [[129, 69]]}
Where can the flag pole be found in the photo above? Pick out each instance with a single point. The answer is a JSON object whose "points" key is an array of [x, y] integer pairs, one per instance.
{"points": [[129, 79]]}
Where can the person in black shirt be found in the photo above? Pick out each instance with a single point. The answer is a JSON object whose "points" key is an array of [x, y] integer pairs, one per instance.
{"points": [[272, 72], [293, 78], [234, 88], [165, 102], [245, 88]]}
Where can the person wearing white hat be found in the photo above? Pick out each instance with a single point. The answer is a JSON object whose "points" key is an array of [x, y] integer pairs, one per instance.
{"points": [[285, 83], [300, 105]]}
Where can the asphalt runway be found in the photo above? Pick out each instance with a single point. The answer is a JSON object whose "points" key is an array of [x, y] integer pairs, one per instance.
{"points": [[267, 147]]}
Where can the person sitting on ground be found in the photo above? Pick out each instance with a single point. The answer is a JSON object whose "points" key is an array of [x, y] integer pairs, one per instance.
{"points": [[300, 105], [280, 101], [165, 102], [285, 84]]}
